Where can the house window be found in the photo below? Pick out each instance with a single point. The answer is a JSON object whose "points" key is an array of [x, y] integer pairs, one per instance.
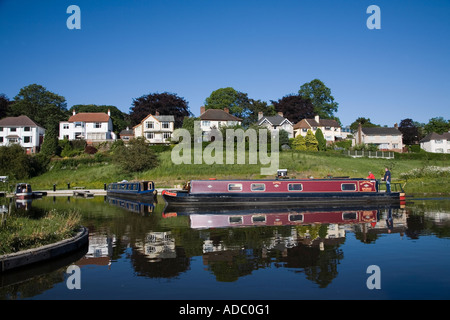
{"points": [[149, 125], [258, 187], [97, 125], [1, 139], [12, 129], [66, 126], [26, 129], [295, 187], [235, 187], [13, 140], [206, 123], [438, 141], [150, 135], [327, 128], [348, 187], [305, 130], [165, 125], [27, 139], [166, 135], [78, 124], [1, 128], [78, 135]]}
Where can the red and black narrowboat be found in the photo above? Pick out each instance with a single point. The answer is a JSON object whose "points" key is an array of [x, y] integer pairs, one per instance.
{"points": [[276, 191]]}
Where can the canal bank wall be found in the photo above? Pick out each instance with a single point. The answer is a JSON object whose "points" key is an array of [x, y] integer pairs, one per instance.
{"points": [[43, 253]]}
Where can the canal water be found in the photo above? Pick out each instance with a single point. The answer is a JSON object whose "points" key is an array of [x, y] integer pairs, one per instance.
{"points": [[146, 251]]}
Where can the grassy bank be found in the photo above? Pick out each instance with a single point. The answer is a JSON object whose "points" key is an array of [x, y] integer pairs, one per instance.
{"points": [[411, 172], [22, 231]]}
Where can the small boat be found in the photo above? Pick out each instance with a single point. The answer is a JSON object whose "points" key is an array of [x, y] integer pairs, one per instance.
{"points": [[23, 191], [132, 190], [277, 191]]}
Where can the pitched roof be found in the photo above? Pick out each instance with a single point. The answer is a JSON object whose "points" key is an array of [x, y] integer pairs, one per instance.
{"points": [[165, 118], [20, 121], [436, 136], [376, 131], [309, 123], [218, 115], [89, 117], [276, 120]]}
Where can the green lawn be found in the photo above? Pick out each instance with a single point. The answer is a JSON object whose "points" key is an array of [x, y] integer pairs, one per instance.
{"points": [[299, 165]]}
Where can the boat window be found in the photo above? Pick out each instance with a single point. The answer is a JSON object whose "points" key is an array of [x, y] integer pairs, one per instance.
{"points": [[296, 217], [258, 187], [295, 187], [259, 218], [150, 185], [235, 220], [349, 216], [348, 186], [235, 187]]}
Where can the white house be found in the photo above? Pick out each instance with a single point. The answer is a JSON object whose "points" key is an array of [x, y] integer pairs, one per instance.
{"points": [[331, 129], [214, 119], [155, 128], [90, 126], [437, 143], [22, 130], [276, 123]]}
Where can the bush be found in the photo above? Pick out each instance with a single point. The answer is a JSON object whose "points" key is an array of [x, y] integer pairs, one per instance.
{"points": [[135, 157]]}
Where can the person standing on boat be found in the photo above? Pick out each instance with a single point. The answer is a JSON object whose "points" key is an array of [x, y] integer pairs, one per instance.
{"points": [[387, 178]]}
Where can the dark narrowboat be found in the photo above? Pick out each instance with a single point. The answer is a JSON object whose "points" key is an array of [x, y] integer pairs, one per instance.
{"points": [[132, 190], [276, 191]]}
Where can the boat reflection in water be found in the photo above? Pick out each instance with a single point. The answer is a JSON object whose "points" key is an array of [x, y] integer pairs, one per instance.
{"points": [[133, 205], [219, 217]]}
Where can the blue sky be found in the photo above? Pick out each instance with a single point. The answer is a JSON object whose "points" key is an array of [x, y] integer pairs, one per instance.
{"points": [[265, 48]]}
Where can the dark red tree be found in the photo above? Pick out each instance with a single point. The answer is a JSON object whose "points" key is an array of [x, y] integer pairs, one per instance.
{"points": [[165, 103]]}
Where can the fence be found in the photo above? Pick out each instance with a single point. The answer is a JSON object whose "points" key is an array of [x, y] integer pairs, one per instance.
{"points": [[370, 154]]}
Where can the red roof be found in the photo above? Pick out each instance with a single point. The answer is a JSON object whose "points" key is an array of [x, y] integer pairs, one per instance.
{"points": [[89, 117]]}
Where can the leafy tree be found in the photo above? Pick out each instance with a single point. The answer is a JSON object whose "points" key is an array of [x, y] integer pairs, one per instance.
{"points": [[410, 131], [135, 157], [165, 103], [14, 162], [283, 137], [255, 107], [189, 124], [365, 123], [237, 102], [50, 145], [321, 98], [311, 141], [294, 107], [119, 119], [44, 107], [438, 125], [4, 105], [299, 143], [321, 142]]}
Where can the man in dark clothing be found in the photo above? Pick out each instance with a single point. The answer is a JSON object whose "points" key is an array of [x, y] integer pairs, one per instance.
{"points": [[387, 178]]}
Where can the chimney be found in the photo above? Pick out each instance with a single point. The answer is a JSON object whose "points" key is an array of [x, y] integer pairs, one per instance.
{"points": [[226, 110], [260, 115], [109, 112], [280, 114], [157, 113], [202, 110], [74, 112], [316, 117], [396, 126]]}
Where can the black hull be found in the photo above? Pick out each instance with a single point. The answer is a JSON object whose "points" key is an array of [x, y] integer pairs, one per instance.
{"points": [[186, 199], [150, 196]]}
